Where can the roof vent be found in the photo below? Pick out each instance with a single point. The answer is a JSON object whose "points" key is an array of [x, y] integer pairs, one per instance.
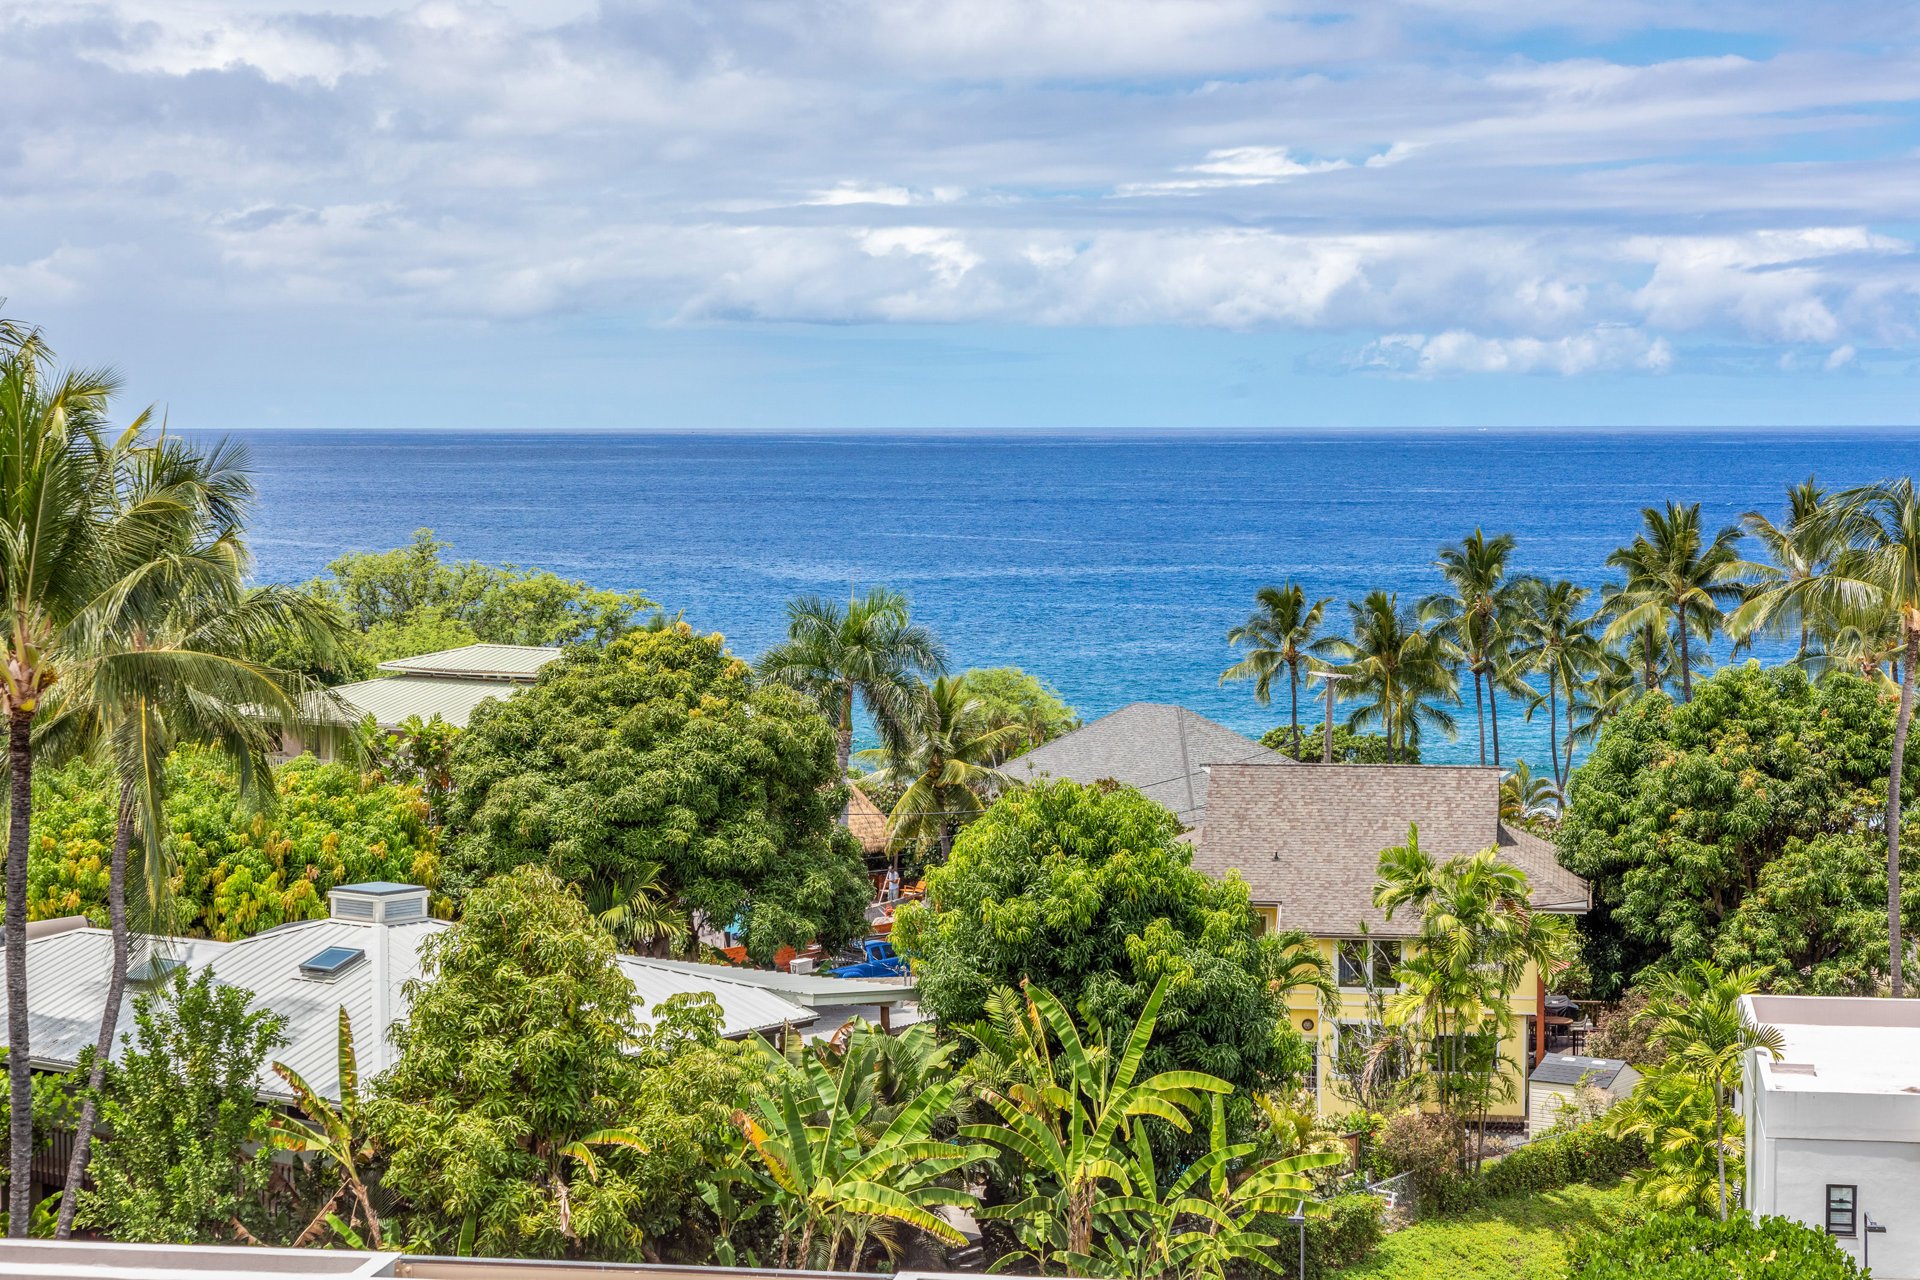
{"points": [[331, 963], [1793, 1068], [379, 902]]}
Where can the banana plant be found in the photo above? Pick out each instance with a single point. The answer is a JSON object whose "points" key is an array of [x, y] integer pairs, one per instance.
{"points": [[834, 1179], [1065, 1116], [339, 1134]]}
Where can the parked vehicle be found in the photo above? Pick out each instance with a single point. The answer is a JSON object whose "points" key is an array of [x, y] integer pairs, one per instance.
{"points": [[878, 960]]}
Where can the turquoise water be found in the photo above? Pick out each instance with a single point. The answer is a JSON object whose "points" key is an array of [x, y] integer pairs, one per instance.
{"points": [[1112, 565]]}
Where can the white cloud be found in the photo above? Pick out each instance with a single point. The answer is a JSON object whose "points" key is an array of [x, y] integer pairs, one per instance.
{"points": [[1840, 357], [1598, 350]]}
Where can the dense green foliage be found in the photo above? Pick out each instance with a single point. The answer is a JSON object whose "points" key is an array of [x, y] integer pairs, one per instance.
{"points": [[1349, 746], [1584, 1153], [1085, 891], [1689, 1247], [523, 1083], [1346, 1233], [1525, 1238], [238, 871], [180, 1118], [1011, 698], [412, 600], [659, 750], [1739, 827]]}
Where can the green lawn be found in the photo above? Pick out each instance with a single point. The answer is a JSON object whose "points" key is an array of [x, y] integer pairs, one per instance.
{"points": [[1524, 1238]]}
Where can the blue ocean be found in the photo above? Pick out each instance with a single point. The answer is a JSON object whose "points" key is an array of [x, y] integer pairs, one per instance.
{"points": [[1111, 565]]}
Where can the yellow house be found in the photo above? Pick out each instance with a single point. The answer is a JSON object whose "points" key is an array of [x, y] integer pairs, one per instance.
{"points": [[1307, 840]]}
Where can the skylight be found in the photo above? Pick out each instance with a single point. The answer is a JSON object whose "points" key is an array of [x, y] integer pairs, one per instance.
{"points": [[331, 962], [152, 969]]}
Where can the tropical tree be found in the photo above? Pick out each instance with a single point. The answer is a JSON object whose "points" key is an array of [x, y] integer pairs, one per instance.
{"points": [[945, 761], [1478, 937], [637, 911], [168, 667], [1671, 1112], [869, 649], [1802, 549], [1398, 672], [1066, 1115], [1557, 640], [1478, 618], [1278, 635], [1524, 795], [339, 1134], [1697, 1021], [1032, 708], [834, 1178], [1675, 573]]}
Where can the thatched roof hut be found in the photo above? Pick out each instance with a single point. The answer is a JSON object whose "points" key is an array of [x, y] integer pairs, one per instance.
{"points": [[867, 822]]}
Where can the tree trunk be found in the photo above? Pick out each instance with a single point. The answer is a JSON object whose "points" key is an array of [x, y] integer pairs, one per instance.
{"points": [[1901, 722], [109, 1016], [1493, 717], [1293, 683], [1568, 769], [1479, 714], [19, 1050], [1553, 718], [844, 746], [1720, 1150], [1686, 660]]}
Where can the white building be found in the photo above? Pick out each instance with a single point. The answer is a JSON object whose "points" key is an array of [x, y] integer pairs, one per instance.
{"points": [[1833, 1126], [1565, 1081], [360, 958], [449, 684]]}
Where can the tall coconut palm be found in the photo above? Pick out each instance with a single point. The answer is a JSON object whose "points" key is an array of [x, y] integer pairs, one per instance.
{"points": [[1877, 574], [63, 546], [1801, 549], [1278, 636], [1398, 672], [868, 649], [1557, 638], [164, 662], [1525, 795], [946, 763], [1697, 1021], [1478, 618], [1674, 573]]}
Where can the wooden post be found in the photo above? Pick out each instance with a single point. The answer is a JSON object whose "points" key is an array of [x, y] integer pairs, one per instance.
{"points": [[1540, 1018], [886, 1018]]}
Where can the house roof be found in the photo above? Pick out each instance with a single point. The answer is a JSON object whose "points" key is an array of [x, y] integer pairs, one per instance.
{"points": [[1161, 749], [390, 702], [1838, 1044], [1308, 837], [1570, 1069], [866, 821], [814, 990], [516, 662], [67, 980]]}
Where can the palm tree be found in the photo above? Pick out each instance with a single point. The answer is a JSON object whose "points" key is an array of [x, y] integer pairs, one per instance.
{"points": [[1698, 1023], [869, 649], [65, 551], [164, 662], [1524, 794], [1672, 572], [1396, 670], [1877, 575], [946, 763], [1478, 618], [1802, 550], [637, 911], [1559, 644], [1278, 635]]}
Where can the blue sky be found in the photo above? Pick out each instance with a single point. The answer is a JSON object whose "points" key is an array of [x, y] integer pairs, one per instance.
{"points": [[1072, 214]]}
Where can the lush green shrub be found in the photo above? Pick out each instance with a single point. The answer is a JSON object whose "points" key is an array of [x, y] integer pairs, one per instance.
{"points": [[1425, 1145], [237, 872], [1688, 1247], [1349, 747], [1584, 1153], [1351, 1230]]}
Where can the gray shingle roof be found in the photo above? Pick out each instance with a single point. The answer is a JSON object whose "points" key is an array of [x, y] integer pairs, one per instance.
{"points": [[1163, 750], [1309, 837], [1565, 1068]]}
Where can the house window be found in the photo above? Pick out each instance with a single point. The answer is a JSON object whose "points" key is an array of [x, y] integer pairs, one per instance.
{"points": [[1361, 957], [1266, 920], [1840, 1209]]}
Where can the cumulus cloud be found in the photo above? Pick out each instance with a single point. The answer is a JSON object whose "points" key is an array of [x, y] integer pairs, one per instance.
{"points": [[1452, 204]]}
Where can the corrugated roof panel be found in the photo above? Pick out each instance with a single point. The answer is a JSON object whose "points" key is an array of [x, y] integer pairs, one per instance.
{"points": [[391, 701], [67, 983], [495, 661], [810, 989], [743, 1009]]}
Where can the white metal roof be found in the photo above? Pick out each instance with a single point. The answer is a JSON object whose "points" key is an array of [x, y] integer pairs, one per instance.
{"points": [[519, 662], [67, 980], [1839, 1044], [392, 700], [815, 990]]}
